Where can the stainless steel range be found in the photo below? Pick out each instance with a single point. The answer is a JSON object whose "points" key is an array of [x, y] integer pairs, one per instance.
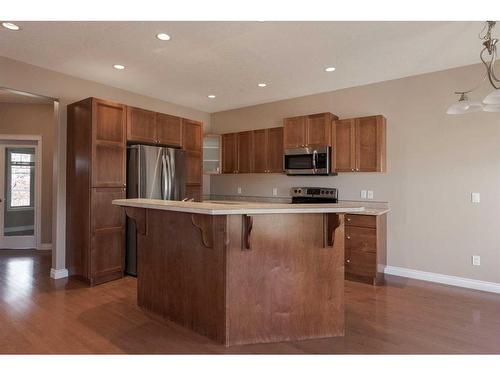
{"points": [[314, 195]]}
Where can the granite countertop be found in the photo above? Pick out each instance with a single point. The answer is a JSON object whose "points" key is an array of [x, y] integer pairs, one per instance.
{"points": [[239, 208]]}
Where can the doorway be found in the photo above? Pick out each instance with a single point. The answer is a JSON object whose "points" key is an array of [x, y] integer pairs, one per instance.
{"points": [[20, 193]]}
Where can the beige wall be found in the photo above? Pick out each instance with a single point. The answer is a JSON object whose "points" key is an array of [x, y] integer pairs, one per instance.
{"points": [[434, 162], [68, 89], [35, 119]]}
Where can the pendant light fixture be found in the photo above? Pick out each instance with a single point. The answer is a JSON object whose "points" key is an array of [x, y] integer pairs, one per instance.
{"points": [[488, 56]]}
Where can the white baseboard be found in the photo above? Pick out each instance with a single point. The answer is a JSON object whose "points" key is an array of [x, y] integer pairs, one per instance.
{"points": [[58, 274], [463, 282], [45, 246]]}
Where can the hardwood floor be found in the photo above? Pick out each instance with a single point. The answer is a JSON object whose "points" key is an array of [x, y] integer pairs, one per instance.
{"points": [[41, 315]]}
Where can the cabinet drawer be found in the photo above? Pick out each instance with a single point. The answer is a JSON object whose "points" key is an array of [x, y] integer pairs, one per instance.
{"points": [[361, 239], [361, 263], [367, 221]]}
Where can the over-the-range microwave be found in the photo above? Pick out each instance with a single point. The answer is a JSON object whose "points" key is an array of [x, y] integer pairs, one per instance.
{"points": [[312, 161]]}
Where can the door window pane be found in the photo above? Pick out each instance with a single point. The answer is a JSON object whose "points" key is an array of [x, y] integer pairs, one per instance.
{"points": [[21, 177]]}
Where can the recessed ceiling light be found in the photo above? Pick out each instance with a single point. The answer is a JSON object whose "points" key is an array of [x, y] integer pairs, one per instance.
{"points": [[10, 26], [211, 96], [262, 84], [119, 66], [163, 36], [330, 69]]}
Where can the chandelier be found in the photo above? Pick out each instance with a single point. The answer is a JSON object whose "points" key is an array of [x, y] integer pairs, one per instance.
{"points": [[488, 56]]}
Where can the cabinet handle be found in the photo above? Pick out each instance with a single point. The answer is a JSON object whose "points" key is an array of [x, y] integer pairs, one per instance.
{"points": [[348, 261], [348, 219], [352, 169], [357, 169], [348, 237]]}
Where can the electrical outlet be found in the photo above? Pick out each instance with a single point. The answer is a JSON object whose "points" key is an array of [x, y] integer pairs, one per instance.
{"points": [[239, 190], [475, 197], [370, 194], [275, 192], [476, 260], [363, 194]]}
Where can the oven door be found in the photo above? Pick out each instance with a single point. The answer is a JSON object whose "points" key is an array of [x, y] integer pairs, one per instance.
{"points": [[307, 161]]}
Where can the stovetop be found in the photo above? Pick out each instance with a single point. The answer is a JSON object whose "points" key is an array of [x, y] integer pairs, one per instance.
{"points": [[314, 195]]}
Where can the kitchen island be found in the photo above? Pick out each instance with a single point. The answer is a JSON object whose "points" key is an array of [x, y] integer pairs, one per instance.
{"points": [[242, 273]]}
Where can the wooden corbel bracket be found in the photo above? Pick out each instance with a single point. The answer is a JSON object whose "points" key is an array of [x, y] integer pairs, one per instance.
{"points": [[204, 224], [247, 229], [139, 216], [331, 223]]}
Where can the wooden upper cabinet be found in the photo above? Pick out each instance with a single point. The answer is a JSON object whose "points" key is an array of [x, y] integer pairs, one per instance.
{"points": [[229, 153], [108, 144], [275, 150], [192, 137], [310, 130], [141, 125], [168, 130], [245, 152], [319, 129], [294, 132], [344, 145], [260, 148], [360, 144], [370, 144]]}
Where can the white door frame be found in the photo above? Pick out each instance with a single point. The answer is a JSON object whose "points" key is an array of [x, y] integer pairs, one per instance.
{"points": [[36, 142]]}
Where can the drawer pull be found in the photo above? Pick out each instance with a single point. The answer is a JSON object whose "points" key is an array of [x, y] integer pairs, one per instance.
{"points": [[348, 237], [348, 261], [348, 219]]}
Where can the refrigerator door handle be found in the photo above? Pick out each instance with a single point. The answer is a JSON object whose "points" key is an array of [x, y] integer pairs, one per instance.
{"points": [[164, 192]]}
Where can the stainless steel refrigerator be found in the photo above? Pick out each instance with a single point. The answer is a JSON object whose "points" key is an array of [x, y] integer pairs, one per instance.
{"points": [[153, 173]]}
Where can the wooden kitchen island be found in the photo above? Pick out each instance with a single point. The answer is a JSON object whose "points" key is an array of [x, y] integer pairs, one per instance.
{"points": [[242, 273]]}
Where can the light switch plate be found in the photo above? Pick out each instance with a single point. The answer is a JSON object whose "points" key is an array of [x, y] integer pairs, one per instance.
{"points": [[275, 192], [476, 260], [475, 197], [370, 194], [363, 194], [239, 190]]}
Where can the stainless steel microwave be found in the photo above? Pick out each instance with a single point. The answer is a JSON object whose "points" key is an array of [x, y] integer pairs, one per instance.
{"points": [[307, 161]]}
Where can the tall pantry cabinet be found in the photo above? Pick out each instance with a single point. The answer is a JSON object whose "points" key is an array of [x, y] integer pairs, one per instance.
{"points": [[96, 174]]}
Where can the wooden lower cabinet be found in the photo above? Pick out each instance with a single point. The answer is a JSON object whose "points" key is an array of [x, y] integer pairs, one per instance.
{"points": [[365, 248], [107, 243]]}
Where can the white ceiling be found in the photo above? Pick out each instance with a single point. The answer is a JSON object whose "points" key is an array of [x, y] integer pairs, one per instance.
{"points": [[228, 59], [18, 97]]}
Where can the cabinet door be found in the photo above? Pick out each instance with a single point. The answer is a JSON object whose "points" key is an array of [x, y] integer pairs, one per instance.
{"points": [[194, 192], [108, 144], [274, 150], [193, 167], [370, 144], [319, 129], [141, 125], [107, 253], [229, 153], [168, 130], [344, 147], [245, 151], [260, 151], [192, 136], [294, 132]]}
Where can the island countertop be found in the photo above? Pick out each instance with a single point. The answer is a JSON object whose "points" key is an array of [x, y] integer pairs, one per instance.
{"points": [[239, 208]]}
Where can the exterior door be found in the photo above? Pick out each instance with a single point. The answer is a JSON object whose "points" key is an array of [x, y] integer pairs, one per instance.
{"points": [[19, 186]]}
